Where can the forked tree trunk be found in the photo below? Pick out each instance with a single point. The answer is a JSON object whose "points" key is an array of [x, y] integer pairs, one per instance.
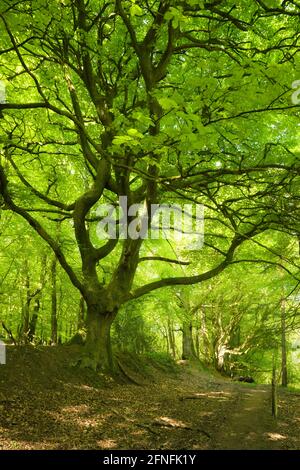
{"points": [[98, 351]]}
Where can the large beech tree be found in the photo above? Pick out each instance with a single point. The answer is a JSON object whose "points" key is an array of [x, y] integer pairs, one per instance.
{"points": [[158, 101]]}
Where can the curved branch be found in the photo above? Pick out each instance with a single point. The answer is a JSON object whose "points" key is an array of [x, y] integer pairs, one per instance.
{"points": [[183, 280], [82, 206], [161, 258]]}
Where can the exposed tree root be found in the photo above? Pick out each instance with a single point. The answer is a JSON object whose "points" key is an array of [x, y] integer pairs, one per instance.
{"points": [[126, 374]]}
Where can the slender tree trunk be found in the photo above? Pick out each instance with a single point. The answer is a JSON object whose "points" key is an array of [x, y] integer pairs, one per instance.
{"points": [[166, 336], [54, 301], [171, 336], [197, 342], [188, 349], [26, 306], [284, 373], [205, 343], [98, 351], [37, 302], [33, 320], [274, 390], [220, 358]]}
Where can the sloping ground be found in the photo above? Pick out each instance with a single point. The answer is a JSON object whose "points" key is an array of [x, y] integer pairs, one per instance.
{"points": [[46, 404]]}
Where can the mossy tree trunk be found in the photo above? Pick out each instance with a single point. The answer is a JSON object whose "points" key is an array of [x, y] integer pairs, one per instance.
{"points": [[98, 350]]}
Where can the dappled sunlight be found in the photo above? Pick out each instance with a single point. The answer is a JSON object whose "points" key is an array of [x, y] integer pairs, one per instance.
{"points": [[76, 409], [206, 413], [79, 387], [258, 391], [107, 444], [81, 419], [251, 435], [164, 420], [138, 432], [220, 398], [149, 224], [284, 424], [216, 395], [25, 445], [194, 414], [273, 436]]}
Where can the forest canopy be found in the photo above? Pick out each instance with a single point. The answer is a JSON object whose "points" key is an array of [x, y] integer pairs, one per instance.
{"points": [[164, 103]]}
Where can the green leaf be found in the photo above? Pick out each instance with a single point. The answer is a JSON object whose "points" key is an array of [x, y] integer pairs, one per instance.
{"points": [[122, 139], [167, 103], [136, 10], [135, 133], [175, 15]]}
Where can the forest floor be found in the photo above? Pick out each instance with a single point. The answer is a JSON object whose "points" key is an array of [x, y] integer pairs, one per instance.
{"points": [[46, 404]]}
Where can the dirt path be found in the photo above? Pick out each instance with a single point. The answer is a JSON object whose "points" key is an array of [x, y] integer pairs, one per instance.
{"points": [[250, 426]]}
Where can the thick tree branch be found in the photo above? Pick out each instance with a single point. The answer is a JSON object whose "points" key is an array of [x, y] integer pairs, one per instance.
{"points": [[188, 280], [82, 206]]}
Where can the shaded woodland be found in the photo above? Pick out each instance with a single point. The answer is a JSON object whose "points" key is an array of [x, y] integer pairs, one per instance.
{"points": [[164, 103]]}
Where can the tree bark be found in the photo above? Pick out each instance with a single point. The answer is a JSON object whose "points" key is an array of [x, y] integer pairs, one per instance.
{"points": [[98, 351], [33, 320], [274, 391], [197, 341], [170, 333], [81, 314], [53, 302], [26, 306], [188, 348], [37, 303], [206, 355], [284, 373], [166, 337]]}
